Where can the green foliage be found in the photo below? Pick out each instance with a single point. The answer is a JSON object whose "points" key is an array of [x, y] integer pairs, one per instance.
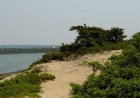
{"points": [[46, 76], [95, 65], [34, 63], [55, 55], [47, 57], [89, 40], [95, 39], [116, 34], [130, 56], [76, 88], [120, 78], [26, 84], [136, 40]]}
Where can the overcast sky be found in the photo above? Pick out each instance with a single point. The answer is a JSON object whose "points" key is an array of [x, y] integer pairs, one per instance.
{"points": [[47, 22]]}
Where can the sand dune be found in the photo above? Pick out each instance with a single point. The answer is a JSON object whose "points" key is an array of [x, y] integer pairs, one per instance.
{"points": [[67, 72]]}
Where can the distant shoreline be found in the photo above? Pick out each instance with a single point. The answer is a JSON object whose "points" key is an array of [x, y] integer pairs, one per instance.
{"points": [[21, 53], [22, 49]]}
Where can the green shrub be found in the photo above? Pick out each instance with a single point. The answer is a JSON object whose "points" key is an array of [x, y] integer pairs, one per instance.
{"points": [[76, 88], [95, 65], [26, 84], [119, 79], [33, 64], [136, 40], [57, 55], [46, 57], [46, 76]]}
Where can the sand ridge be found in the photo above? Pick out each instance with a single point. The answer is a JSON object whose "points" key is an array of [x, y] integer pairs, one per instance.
{"points": [[69, 71]]}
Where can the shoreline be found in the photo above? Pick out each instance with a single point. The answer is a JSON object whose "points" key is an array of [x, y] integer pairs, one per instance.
{"points": [[21, 53], [4, 75]]}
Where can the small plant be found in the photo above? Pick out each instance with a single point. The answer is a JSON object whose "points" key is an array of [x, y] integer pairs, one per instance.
{"points": [[95, 65], [36, 69], [46, 76], [54, 55], [46, 58]]}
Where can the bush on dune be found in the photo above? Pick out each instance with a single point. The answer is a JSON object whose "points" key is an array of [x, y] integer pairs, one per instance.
{"points": [[55, 55], [25, 84], [95, 39], [120, 78]]}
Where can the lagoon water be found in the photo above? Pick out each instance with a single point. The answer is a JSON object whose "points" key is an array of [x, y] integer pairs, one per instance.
{"points": [[16, 62]]}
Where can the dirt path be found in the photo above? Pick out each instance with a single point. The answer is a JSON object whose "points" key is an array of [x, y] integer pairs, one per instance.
{"points": [[67, 72]]}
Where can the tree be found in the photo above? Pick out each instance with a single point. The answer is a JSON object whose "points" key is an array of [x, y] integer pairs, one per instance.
{"points": [[136, 40], [94, 39], [116, 34], [89, 36]]}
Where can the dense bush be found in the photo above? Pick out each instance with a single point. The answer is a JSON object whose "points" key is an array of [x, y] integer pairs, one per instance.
{"points": [[46, 58], [95, 39], [26, 84], [95, 65], [55, 55], [136, 40], [120, 78], [46, 76]]}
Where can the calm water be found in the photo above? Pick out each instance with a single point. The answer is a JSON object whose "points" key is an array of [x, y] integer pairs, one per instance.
{"points": [[16, 62]]}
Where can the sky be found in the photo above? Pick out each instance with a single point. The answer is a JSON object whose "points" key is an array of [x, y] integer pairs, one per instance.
{"points": [[47, 22]]}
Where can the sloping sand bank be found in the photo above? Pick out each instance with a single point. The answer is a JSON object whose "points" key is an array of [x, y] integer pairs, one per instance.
{"points": [[69, 71]]}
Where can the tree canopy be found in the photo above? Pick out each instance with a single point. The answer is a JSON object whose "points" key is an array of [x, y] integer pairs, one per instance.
{"points": [[93, 37]]}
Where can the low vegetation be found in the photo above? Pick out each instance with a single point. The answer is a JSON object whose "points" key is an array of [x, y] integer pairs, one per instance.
{"points": [[89, 40], [120, 78], [25, 84]]}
